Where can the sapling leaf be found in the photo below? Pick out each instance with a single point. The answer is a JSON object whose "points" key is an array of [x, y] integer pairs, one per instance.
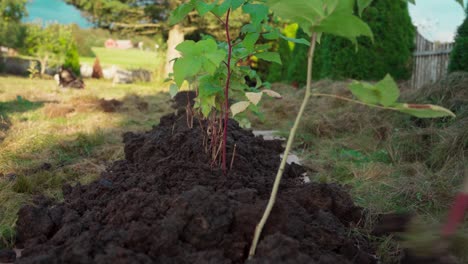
{"points": [[362, 4], [304, 12], [250, 40], [272, 93], [239, 107], [272, 35], [344, 24], [254, 98], [365, 92], [185, 67], [388, 91], [203, 8], [424, 110], [250, 28], [269, 56], [207, 104], [207, 86], [173, 89], [236, 4], [257, 12], [180, 12], [295, 40], [221, 9]]}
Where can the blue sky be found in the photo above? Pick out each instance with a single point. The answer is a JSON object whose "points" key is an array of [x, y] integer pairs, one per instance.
{"points": [[437, 20]]}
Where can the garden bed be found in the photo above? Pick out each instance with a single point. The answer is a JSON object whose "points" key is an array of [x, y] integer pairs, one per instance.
{"points": [[165, 203]]}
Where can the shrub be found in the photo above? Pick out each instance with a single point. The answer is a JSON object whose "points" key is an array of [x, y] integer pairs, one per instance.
{"points": [[459, 56], [72, 59]]}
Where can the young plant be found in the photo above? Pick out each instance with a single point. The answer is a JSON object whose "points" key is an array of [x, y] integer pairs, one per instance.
{"points": [[337, 17], [215, 68]]}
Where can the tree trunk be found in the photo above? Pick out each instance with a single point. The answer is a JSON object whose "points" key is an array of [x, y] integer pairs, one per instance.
{"points": [[43, 63], [176, 36]]}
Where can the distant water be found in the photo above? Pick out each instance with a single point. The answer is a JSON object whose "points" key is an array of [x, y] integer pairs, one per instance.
{"points": [[55, 11]]}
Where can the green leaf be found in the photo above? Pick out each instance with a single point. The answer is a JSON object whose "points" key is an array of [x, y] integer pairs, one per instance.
{"points": [[365, 92], [236, 4], [344, 24], [203, 8], [388, 91], [250, 40], [221, 9], [173, 89], [207, 104], [179, 13], [424, 110], [257, 12], [269, 56], [295, 40], [185, 67], [362, 4], [272, 35], [208, 86], [306, 13]]}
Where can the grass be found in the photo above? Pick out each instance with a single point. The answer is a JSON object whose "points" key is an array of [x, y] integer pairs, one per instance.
{"points": [[128, 59], [42, 126], [390, 161]]}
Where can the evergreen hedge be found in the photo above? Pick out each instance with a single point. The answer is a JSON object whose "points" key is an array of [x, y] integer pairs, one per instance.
{"points": [[336, 58], [459, 56]]}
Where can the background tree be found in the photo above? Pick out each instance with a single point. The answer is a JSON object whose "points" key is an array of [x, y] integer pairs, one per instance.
{"points": [[149, 17], [391, 51], [50, 44], [12, 33], [459, 56]]}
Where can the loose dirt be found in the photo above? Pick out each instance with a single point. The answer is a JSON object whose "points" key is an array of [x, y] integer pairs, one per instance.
{"points": [[166, 203]]}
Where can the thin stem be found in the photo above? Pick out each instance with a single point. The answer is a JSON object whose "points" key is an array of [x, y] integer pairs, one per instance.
{"points": [[274, 192], [226, 90], [222, 22]]}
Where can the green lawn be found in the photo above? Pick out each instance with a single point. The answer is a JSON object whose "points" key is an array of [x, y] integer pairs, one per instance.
{"points": [[129, 59]]}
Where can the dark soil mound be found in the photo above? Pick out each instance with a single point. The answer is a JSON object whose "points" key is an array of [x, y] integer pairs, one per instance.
{"points": [[110, 106], [183, 99], [165, 204]]}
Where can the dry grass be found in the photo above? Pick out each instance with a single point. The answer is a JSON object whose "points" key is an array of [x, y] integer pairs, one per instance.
{"points": [[67, 129], [392, 162]]}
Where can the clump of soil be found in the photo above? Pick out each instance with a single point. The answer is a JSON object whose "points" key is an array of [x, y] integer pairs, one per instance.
{"points": [[183, 99], [110, 106], [164, 203]]}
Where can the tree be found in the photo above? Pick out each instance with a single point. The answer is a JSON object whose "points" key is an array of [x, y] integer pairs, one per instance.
{"points": [[459, 56], [11, 30], [390, 52], [49, 44], [148, 17], [72, 59]]}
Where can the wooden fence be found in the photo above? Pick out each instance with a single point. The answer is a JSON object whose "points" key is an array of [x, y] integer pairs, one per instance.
{"points": [[430, 61]]}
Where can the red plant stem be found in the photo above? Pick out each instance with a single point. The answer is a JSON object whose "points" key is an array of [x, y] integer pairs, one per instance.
{"points": [[226, 91]]}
